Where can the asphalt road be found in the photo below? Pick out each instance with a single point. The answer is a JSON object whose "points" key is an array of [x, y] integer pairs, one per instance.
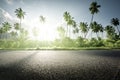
{"points": [[60, 65]]}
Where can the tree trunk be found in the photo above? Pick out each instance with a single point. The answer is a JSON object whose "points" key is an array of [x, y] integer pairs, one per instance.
{"points": [[97, 35], [89, 26], [67, 31], [20, 24], [92, 18], [118, 30]]}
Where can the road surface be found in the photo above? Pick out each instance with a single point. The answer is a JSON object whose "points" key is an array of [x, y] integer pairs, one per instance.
{"points": [[60, 65]]}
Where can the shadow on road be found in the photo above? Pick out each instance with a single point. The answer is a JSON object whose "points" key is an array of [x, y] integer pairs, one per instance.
{"points": [[105, 53]]}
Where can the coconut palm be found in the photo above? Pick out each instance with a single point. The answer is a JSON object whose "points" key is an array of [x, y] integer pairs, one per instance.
{"points": [[69, 21], [13, 34], [42, 19], [6, 27], [95, 27], [20, 14], [61, 31], [76, 30], [1, 32], [110, 30], [94, 9], [84, 28], [115, 22], [101, 29], [16, 26]]}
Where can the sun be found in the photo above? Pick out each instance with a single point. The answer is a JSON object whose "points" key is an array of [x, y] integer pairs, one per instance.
{"points": [[43, 31]]}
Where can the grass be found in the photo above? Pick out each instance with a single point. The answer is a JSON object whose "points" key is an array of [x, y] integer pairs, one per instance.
{"points": [[63, 48]]}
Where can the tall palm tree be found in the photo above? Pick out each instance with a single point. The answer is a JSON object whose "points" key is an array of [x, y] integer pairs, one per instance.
{"points": [[42, 20], [115, 22], [94, 9], [84, 28], [20, 14], [69, 21]]}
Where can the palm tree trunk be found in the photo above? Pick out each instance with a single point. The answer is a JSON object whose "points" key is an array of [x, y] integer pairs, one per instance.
{"points": [[91, 33], [101, 34], [91, 22], [85, 35], [67, 31], [89, 25], [92, 18], [97, 35], [118, 30], [20, 24]]}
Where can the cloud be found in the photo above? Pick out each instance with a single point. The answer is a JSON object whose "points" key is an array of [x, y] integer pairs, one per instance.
{"points": [[9, 1], [21, 1], [6, 14], [12, 1]]}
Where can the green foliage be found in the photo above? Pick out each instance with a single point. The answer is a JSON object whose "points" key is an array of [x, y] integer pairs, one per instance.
{"points": [[42, 19], [94, 7], [19, 36], [19, 13], [61, 31]]}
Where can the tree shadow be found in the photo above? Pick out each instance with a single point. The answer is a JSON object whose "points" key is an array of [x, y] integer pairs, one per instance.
{"points": [[105, 53]]}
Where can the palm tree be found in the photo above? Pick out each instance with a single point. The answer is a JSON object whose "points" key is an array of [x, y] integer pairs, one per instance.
{"points": [[95, 27], [115, 22], [20, 14], [94, 9], [101, 29], [84, 28], [1, 32], [69, 21], [61, 32], [42, 19], [76, 30], [13, 34], [110, 31], [6, 27], [16, 26]]}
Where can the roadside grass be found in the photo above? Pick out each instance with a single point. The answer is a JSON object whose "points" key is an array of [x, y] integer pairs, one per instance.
{"points": [[63, 48]]}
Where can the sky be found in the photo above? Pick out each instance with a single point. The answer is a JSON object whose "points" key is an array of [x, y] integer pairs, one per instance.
{"points": [[53, 11]]}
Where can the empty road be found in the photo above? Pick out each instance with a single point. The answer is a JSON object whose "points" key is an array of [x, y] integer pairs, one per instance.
{"points": [[60, 65]]}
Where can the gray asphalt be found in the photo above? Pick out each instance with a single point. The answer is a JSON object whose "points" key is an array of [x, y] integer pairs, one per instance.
{"points": [[60, 65]]}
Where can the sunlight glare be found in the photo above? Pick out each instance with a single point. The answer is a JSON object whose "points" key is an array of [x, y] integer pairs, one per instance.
{"points": [[45, 31]]}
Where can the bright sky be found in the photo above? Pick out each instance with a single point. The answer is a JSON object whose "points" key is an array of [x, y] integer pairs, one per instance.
{"points": [[53, 11]]}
